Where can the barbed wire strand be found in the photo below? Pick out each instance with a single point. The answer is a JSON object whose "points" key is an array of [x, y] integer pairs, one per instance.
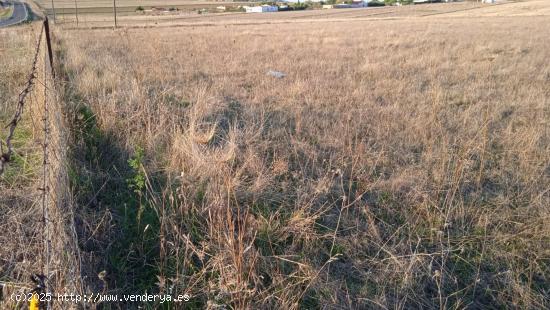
{"points": [[5, 157], [42, 281]]}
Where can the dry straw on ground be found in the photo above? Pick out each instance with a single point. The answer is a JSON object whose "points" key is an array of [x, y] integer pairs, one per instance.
{"points": [[399, 164]]}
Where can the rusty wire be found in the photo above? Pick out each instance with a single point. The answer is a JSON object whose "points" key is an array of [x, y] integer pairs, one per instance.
{"points": [[5, 157], [48, 149]]}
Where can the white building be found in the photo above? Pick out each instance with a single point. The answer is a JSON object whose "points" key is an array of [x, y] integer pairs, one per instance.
{"points": [[360, 4], [261, 9], [355, 4]]}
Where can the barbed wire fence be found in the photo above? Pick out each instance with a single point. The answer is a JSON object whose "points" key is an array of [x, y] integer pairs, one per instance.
{"points": [[59, 261]]}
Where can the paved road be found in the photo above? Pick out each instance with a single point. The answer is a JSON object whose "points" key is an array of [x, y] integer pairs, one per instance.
{"points": [[20, 14]]}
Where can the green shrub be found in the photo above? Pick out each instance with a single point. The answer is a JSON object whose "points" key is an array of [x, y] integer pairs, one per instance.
{"points": [[137, 181], [299, 6], [394, 2], [376, 3]]}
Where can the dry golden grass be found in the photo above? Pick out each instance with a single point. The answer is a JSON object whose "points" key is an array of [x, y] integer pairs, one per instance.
{"points": [[68, 4], [399, 164], [93, 17], [402, 162], [184, 18], [20, 243]]}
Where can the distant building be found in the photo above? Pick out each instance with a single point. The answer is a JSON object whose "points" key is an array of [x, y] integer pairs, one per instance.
{"points": [[261, 9], [354, 4], [359, 4]]}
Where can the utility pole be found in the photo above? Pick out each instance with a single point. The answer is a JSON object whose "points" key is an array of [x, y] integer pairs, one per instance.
{"points": [[53, 10], [114, 10], [76, 12]]}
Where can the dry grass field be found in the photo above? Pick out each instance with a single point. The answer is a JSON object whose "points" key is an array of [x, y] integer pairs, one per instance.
{"points": [[100, 17], [100, 13], [92, 14], [93, 10], [402, 162]]}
